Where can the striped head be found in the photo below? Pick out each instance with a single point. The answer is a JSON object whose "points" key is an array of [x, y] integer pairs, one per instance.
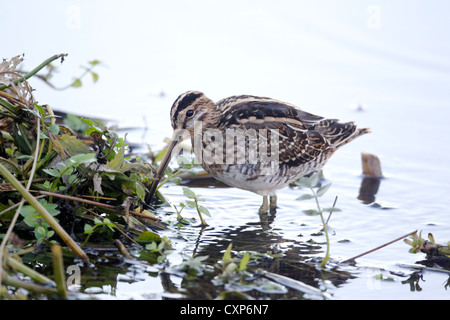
{"points": [[190, 107]]}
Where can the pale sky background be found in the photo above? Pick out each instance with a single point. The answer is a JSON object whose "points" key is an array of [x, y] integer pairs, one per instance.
{"points": [[325, 56]]}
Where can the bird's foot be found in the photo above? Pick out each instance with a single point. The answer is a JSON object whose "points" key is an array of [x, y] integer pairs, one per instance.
{"points": [[265, 205], [268, 206]]}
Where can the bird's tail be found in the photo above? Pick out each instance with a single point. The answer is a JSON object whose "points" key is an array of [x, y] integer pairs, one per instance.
{"points": [[339, 134]]}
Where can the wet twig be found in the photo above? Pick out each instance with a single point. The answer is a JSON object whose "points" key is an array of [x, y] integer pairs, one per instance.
{"points": [[94, 203], [379, 247]]}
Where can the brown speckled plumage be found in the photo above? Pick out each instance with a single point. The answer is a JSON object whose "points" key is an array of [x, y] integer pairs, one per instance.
{"points": [[305, 141]]}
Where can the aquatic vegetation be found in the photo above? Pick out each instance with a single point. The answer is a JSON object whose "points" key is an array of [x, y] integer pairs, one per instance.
{"points": [[32, 219], [194, 203], [66, 169], [311, 182], [435, 252]]}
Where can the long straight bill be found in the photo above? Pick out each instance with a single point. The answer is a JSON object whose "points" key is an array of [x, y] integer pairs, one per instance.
{"points": [[162, 167]]}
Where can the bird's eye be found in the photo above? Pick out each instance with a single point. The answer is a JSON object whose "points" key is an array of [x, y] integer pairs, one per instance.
{"points": [[189, 113]]}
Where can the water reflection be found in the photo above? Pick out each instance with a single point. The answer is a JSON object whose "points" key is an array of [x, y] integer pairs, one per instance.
{"points": [[368, 190], [269, 251]]}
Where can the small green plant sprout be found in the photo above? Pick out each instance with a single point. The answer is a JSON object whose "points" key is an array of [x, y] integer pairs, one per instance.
{"points": [[311, 182], [33, 219], [194, 204], [76, 82], [193, 267], [66, 172], [234, 275], [230, 268], [419, 244], [99, 226], [163, 248]]}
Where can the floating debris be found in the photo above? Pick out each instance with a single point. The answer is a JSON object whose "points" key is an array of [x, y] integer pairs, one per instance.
{"points": [[371, 165]]}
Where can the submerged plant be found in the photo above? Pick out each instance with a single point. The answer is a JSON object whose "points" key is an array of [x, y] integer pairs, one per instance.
{"points": [[193, 267], [163, 247], [235, 276]]}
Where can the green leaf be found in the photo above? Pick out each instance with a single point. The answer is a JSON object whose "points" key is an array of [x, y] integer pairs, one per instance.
{"points": [[308, 182], [151, 246], [311, 212], [244, 261], [28, 211], [12, 166], [148, 237], [303, 182], [88, 229], [314, 179], [89, 122], [74, 122], [34, 112], [52, 172], [332, 209], [227, 255], [31, 220], [117, 161], [108, 223], [189, 193], [204, 211], [73, 145], [128, 187], [40, 231], [176, 180], [191, 204], [305, 197], [183, 161], [94, 76], [50, 207], [47, 185], [54, 128], [94, 62], [39, 108], [140, 191], [82, 158], [76, 83], [321, 191]]}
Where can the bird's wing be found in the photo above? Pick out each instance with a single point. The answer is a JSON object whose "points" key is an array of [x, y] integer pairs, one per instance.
{"points": [[303, 137]]}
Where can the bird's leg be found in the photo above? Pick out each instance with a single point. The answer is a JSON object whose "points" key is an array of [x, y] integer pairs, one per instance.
{"points": [[273, 202], [265, 205]]}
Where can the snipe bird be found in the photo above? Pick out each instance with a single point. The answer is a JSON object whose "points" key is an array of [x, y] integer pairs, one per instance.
{"points": [[298, 142]]}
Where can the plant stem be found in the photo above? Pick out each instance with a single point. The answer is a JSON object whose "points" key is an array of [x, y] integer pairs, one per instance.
{"points": [[200, 214], [327, 254], [33, 274], [167, 179], [94, 203], [43, 212], [16, 215], [37, 69], [58, 270], [32, 287]]}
